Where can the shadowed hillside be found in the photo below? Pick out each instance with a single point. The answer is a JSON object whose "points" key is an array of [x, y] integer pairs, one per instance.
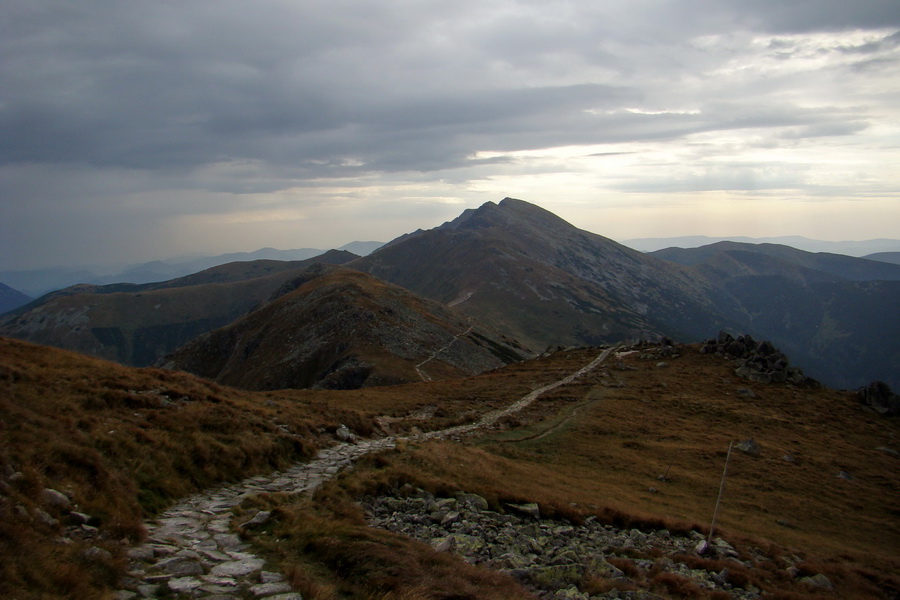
{"points": [[343, 329], [139, 324], [831, 313]]}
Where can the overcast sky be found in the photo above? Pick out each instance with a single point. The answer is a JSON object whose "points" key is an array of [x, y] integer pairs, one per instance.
{"points": [[134, 130]]}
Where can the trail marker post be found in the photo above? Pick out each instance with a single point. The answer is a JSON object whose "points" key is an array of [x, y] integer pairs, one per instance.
{"points": [[712, 526]]}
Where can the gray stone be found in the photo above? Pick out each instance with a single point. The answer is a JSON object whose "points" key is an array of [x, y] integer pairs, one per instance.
{"points": [[238, 568], [184, 585], [450, 518], [819, 581], [344, 434], [474, 501], [148, 590], [180, 566], [258, 520], [79, 518], [267, 589], [748, 447], [45, 519], [529, 509], [56, 499]]}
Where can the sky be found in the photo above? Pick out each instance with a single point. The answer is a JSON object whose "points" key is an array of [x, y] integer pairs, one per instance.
{"points": [[133, 130]]}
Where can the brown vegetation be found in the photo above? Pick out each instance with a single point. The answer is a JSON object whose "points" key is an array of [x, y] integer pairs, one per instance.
{"points": [[123, 443]]}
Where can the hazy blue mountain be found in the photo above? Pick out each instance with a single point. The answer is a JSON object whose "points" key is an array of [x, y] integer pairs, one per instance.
{"points": [[785, 258], [850, 248], [136, 324], [38, 282], [11, 299], [888, 257]]}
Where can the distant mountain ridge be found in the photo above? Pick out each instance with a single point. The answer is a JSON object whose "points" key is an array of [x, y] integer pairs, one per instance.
{"points": [[138, 324], [842, 267], [38, 282], [850, 248]]}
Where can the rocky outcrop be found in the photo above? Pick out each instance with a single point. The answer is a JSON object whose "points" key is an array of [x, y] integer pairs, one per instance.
{"points": [[879, 397], [760, 362], [553, 558]]}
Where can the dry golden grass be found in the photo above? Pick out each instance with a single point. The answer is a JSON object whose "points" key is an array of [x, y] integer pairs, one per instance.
{"points": [[599, 445], [123, 443]]}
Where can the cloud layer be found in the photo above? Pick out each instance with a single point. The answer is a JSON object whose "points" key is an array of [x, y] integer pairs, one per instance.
{"points": [[289, 123]]}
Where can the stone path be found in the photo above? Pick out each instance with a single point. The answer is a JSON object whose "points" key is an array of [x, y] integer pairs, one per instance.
{"points": [[190, 549]]}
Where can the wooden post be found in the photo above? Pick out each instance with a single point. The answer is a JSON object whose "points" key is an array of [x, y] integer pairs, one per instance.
{"points": [[712, 525]]}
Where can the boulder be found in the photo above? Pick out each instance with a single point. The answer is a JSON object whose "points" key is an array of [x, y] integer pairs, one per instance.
{"points": [[56, 499], [473, 501], [530, 509], [748, 447], [819, 581], [879, 397], [343, 434], [258, 520]]}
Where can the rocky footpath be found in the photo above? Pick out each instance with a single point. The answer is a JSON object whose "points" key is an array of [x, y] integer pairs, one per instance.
{"points": [[554, 559], [191, 550]]}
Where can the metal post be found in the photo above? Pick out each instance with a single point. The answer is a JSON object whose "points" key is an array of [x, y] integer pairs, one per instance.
{"points": [[712, 525]]}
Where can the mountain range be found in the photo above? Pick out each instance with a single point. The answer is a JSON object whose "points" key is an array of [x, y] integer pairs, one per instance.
{"points": [[37, 282], [859, 249], [498, 453], [513, 268]]}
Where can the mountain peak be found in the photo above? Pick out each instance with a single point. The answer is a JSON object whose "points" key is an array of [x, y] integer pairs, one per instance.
{"points": [[509, 213]]}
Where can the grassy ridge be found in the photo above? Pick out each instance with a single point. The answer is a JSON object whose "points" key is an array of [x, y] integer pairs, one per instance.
{"points": [[597, 447], [122, 443]]}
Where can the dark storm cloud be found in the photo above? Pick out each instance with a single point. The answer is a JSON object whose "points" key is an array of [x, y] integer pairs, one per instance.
{"points": [[106, 101]]}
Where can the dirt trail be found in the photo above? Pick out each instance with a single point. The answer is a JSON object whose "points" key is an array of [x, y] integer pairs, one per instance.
{"points": [[190, 549], [419, 366]]}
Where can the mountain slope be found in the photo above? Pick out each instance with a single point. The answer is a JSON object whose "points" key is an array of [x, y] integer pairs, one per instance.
{"points": [[11, 299], [830, 312], [138, 324], [530, 273], [341, 328]]}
